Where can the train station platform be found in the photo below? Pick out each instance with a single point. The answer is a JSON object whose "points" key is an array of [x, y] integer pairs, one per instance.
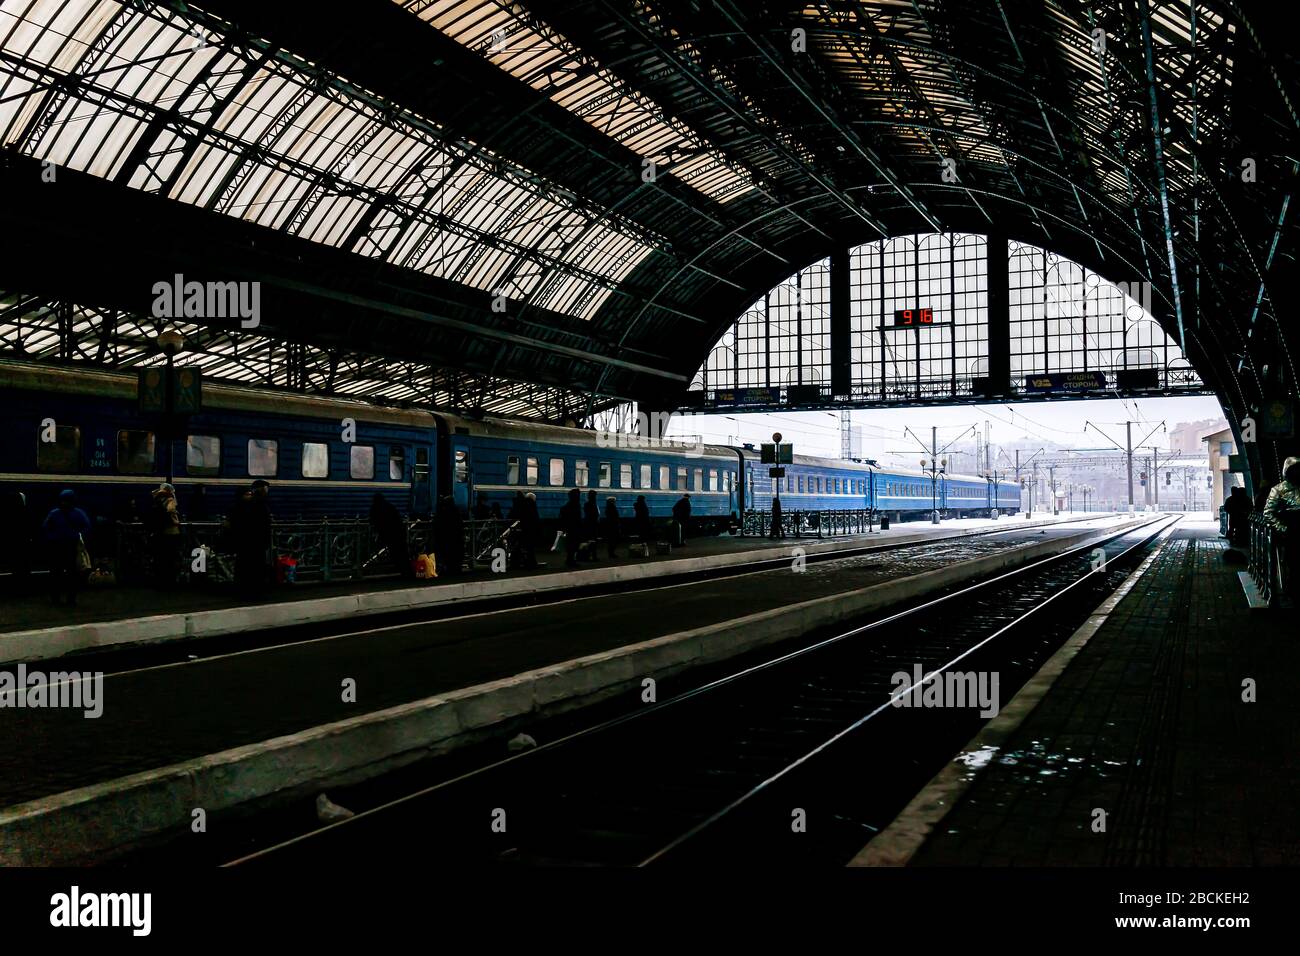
{"points": [[1162, 735], [268, 723], [32, 627]]}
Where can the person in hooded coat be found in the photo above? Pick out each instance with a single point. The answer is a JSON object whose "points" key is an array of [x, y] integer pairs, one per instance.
{"points": [[641, 518], [390, 529], [64, 529], [449, 538]]}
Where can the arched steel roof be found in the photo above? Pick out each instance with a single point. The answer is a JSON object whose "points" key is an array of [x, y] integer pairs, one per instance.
{"points": [[622, 177]]}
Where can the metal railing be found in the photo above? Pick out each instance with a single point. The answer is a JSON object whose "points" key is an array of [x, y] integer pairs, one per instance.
{"points": [[810, 524], [344, 549], [1262, 562]]}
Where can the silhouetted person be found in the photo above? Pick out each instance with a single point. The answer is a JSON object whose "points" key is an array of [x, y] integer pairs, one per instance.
{"points": [[776, 531], [495, 514], [198, 510], [641, 518], [571, 525], [390, 529], [1238, 508], [531, 526], [481, 510], [1282, 512], [250, 526], [17, 520], [611, 526], [682, 516], [164, 534], [448, 537], [591, 520], [65, 529]]}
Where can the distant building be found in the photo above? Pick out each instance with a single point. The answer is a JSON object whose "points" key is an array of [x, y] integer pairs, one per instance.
{"points": [[1185, 438], [1220, 445]]}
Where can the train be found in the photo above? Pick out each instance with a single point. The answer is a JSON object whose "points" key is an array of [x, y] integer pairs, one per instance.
{"points": [[82, 428]]}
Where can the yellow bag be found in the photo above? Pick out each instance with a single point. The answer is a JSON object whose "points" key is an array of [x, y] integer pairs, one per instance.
{"points": [[426, 566]]}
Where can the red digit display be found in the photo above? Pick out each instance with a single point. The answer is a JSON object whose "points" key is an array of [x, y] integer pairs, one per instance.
{"points": [[911, 318]]}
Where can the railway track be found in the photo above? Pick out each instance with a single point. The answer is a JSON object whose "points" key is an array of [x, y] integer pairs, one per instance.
{"points": [[799, 759], [193, 650]]}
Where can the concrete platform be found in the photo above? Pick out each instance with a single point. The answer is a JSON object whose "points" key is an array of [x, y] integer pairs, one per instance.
{"points": [[32, 628], [1139, 743], [222, 731]]}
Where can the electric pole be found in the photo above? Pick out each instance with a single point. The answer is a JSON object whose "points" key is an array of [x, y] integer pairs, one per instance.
{"points": [[1129, 459]]}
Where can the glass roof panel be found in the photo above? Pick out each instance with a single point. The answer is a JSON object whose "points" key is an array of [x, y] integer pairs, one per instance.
{"points": [[536, 53]]}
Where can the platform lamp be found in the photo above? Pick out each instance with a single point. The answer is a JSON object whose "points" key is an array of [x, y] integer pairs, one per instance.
{"points": [[170, 343]]}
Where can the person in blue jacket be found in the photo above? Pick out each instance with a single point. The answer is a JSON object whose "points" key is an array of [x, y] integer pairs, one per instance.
{"points": [[65, 527]]}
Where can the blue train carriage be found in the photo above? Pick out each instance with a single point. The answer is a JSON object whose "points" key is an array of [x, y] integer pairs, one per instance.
{"points": [[809, 484], [492, 459], [903, 493], [113, 455]]}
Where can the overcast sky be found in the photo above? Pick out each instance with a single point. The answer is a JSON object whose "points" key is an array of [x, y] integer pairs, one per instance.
{"points": [[818, 433]]}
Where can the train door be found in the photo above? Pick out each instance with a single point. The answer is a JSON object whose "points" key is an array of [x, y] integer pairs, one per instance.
{"points": [[749, 487], [462, 477], [421, 482]]}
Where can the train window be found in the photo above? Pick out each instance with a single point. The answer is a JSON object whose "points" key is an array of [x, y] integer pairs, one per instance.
{"points": [[663, 476], [531, 470], [557, 471], [681, 478], [462, 466], [581, 474], [697, 480], [512, 470], [361, 462], [625, 475], [645, 476], [713, 479], [606, 474], [134, 452], [63, 454], [315, 459], [263, 457], [202, 455], [396, 463]]}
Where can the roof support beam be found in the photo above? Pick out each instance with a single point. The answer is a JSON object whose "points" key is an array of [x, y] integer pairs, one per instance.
{"points": [[1144, 12]]}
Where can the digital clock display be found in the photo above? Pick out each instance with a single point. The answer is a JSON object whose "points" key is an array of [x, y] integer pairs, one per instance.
{"points": [[908, 318]]}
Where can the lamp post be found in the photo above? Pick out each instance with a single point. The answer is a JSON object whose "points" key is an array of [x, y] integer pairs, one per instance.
{"points": [[170, 343]]}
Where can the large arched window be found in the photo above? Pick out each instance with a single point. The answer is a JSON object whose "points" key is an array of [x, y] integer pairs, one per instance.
{"points": [[1062, 317]]}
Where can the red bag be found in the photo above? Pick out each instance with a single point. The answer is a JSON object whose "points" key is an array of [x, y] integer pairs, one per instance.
{"points": [[286, 569]]}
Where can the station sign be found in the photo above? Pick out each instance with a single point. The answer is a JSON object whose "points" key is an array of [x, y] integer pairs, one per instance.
{"points": [[776, 454], [757, 395], [1277, 419], [1138, 378], [776, 472], [803, 394], [187, 390], [1065, 382]]}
